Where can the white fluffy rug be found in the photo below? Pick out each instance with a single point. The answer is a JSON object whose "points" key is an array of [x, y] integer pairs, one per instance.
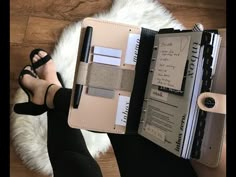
{"points": [[28, 133]]}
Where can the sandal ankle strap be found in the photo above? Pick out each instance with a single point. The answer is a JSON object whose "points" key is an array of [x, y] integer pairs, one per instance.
{"points": [[45, 96]]}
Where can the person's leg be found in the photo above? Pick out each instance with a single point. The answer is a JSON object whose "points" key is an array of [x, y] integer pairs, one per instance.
{"points": [[137, 156], [67, 149]]}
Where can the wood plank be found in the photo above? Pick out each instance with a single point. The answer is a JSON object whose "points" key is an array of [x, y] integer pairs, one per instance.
{"points": [[108, 164], [19, 55], [213, 4], [18, 26], [20, 7], [69, 10], [43, 30], [24, 172], [188, 16], [60, 9], [12, 96]]}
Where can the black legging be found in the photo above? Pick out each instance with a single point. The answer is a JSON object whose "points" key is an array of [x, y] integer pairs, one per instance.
{"points": [[136, 156]]}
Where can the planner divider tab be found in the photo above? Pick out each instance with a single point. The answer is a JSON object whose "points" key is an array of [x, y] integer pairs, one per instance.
{"points": [[206, 85]]}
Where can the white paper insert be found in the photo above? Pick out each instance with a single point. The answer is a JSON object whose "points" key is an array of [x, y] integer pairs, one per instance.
{"points": [[106, 60], [122, 110], [107, 51], [171, 59], [132, 49]]}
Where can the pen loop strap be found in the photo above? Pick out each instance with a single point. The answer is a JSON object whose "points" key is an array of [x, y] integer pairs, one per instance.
{"points": [[212, 102], [82, 73]]}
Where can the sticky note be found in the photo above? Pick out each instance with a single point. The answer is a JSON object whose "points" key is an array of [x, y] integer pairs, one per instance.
{"points": [[171, 59]]}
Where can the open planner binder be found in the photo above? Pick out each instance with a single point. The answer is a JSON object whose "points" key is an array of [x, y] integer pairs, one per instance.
{"points": [[137, 80]]}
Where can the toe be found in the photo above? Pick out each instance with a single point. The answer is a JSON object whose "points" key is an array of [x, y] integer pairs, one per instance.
{"points": [[26, 78], [31, 70], [42, 54], [36, 58], [28, 68]]}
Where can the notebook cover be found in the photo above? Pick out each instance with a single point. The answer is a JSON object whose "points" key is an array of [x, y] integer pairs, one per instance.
{"points": [[97, 113]]}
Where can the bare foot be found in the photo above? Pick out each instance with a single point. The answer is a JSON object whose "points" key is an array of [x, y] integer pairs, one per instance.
{"points": [[48, 70], [38, 88]]}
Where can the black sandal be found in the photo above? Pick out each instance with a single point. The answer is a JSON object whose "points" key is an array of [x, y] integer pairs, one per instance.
{"points": [[30, 108], [42, 61]]}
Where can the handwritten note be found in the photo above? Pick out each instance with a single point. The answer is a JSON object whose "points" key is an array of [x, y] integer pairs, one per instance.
{"points": [[122, 110], [171, 60]]}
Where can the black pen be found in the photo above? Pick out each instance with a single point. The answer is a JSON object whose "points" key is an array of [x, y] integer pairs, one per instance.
{"points": [[83, 58]]}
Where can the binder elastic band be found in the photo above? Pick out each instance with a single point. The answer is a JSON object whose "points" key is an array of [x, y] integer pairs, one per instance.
{"points": [[105, 76], [110, 77], [82, 73]]}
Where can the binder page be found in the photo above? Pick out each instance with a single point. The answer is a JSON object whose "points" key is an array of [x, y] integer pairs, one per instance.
{"points": [[166, 113]]}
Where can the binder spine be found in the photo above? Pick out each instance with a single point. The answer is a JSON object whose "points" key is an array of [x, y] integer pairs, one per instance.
{"points": [[206, 85], [141, 74]]}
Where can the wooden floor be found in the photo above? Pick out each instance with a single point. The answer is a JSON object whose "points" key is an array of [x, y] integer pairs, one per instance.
{"points": [[52, 16]]}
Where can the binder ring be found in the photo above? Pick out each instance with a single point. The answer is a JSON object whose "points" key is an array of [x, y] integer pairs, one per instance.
{"points": [[151, 70], [155, 47]]}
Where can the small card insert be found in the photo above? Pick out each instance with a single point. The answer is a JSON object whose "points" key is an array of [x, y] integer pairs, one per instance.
{"points": [[122, 110], [105, 55], [132, 49]]}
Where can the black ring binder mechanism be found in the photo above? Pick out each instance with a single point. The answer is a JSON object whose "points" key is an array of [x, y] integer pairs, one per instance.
{"points": [[206, 79], [161, 84]]}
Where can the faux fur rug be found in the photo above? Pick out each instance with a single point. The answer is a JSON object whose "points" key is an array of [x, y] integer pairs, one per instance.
{"points": [[29, 133]]}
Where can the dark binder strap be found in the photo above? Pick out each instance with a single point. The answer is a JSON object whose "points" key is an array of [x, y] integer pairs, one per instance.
{"points": [[206, 85], [212, 102], [141, 74]]}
